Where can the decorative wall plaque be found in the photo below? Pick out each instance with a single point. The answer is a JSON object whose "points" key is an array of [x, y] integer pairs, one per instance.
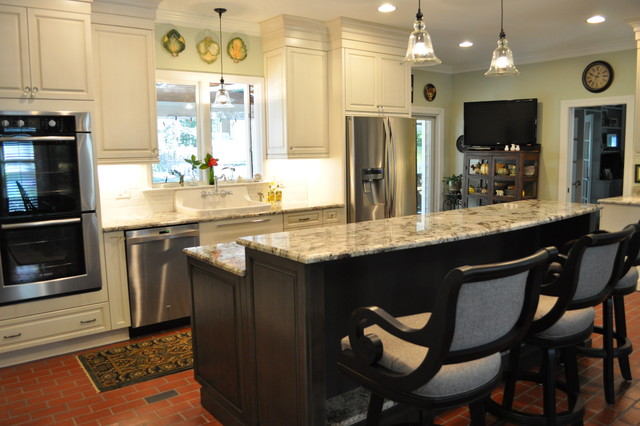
{"points": [[208, 50], [237, 49], [173, 42]]}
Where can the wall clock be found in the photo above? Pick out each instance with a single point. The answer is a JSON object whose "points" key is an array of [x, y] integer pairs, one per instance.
{"points": [[597, 76]]}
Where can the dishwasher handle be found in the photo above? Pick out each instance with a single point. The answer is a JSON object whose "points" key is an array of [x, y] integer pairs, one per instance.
{"points": [[162, 234]]}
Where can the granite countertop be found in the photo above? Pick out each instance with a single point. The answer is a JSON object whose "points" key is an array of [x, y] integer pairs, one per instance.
{"points": [[358, 239], [150, 220], [627, 201], [227, 256]]}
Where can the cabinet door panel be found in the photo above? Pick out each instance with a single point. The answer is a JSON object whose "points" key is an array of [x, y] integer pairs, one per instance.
{"points": [[360, 84], [126, 95], [307, 97], [14, 72], [60, 53], [394, 84]]}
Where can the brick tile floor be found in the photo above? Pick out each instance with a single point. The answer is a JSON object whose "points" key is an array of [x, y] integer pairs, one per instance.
{"points": [[56, 391]]}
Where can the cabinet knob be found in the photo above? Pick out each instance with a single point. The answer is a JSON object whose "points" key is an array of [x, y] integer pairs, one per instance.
{"points": [[33, 92], [155, 151], [27, 91]]}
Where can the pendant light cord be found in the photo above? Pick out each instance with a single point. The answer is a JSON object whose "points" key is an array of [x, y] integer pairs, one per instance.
{"points": [[419, 15], [502, 34], [220, 12]]}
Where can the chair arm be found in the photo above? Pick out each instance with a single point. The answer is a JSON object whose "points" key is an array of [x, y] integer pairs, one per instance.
{"points": [[369, 347]]}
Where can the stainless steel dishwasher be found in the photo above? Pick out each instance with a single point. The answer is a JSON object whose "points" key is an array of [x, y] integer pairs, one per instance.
{"points": [[159, 287]]}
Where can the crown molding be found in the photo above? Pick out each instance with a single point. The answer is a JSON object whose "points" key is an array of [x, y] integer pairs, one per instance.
{"points": [[199, 21]]}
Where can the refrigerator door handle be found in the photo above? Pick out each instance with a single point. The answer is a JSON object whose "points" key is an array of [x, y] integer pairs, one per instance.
{"points": [[391, 171]]}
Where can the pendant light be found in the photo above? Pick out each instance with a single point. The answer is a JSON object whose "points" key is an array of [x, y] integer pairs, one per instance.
{"points": [[222, 96], [502, 60], [420, 49]]}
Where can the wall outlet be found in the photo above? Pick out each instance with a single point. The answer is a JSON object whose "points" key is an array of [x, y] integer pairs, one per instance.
{"points": [[123, 194]]}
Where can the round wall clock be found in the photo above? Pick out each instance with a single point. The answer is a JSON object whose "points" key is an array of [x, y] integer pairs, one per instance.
{"points": [[597, 76]]}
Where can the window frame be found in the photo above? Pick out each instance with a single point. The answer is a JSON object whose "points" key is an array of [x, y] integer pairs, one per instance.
{"points": [[202, 82]]}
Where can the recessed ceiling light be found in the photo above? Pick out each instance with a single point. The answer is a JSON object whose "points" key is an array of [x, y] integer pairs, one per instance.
{"points": [[386, 8], [596, 19], [466, 43]]}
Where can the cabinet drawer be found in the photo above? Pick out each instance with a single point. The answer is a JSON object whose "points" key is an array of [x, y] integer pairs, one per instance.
{"points": [[53, 326], [303, 220], [331, 216]]}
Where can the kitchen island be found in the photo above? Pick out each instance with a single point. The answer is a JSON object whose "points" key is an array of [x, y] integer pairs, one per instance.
{"points": [[266, 337]]}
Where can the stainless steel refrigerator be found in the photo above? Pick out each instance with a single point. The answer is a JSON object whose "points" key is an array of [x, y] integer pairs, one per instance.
{"points": [[381, 168]]}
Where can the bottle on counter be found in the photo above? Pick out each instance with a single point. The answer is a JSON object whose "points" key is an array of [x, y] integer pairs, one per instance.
{"points": [[271, 194], [279, 194]]}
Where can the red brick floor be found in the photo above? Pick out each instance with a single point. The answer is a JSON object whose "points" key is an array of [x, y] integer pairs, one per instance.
{"points": [[56, 391]]}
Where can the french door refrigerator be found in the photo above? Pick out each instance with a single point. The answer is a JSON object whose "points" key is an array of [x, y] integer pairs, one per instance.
{"points": [[381, 168]]}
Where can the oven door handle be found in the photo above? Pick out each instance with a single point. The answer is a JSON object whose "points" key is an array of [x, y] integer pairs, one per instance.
{"points": [[22, 138], [53, 222]]}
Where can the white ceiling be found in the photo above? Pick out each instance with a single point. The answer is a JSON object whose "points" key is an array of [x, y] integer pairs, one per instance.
{"points": [[537, 30]]}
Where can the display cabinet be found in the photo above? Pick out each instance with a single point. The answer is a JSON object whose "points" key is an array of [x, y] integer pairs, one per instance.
{"points": [[499, 177]]}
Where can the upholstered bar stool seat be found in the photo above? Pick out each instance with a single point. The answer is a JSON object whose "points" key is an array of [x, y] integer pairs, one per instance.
{"points": [[451, 379]]}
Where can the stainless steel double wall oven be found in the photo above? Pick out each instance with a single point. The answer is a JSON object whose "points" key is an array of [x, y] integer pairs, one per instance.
{"points": [[49, 232]]}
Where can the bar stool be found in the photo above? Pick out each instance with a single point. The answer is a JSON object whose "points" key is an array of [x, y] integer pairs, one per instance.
{"points": [[618, 334], [450, 356], [563, 320]]}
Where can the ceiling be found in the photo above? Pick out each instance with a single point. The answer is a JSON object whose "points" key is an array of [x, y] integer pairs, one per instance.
{"points": [[537, 30]]}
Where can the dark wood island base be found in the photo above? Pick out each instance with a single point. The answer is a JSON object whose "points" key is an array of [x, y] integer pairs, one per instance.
{"points": [[266, 338]]}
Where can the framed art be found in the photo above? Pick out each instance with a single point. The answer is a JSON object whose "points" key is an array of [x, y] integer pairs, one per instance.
{"points": [[637, 175]]}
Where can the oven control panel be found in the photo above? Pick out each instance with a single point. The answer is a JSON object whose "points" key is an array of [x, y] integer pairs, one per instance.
{"points": [[37, 125]]}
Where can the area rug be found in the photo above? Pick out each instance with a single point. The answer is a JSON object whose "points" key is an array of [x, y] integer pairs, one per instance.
{"points": [[139, 361]]}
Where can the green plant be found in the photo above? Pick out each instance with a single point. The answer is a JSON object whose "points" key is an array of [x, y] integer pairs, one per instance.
{"points": [[452, 180]]}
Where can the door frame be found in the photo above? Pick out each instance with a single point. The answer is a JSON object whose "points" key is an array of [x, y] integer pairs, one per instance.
{"points": [[566, 141], [437, 151]]}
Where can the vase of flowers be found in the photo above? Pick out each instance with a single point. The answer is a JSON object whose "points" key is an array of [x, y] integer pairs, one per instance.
{"points": [[208, 163]]}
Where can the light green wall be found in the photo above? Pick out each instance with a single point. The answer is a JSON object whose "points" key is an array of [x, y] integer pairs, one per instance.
{"points": [[189, 60], [551, 82]]}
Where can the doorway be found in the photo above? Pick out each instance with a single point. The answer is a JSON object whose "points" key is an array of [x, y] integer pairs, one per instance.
{"points": [[573, 167], [598, 152], [429, 140]]}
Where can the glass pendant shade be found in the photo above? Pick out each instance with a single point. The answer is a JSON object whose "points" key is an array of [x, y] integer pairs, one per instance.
{"points": [[420, 49], [502, 60], [222, 97]]}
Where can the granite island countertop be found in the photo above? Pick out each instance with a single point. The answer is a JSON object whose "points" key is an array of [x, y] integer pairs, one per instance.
{"points": [[365, 238], [150, 220], [626, 201]]}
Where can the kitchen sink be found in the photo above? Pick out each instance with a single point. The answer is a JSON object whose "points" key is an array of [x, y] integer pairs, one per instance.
{"points": [[206, 201]]}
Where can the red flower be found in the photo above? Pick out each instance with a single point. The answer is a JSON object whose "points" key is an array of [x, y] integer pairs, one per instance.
{"points": [[212, 162]]}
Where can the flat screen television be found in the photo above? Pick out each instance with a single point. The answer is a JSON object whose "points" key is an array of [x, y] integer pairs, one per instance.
{"points": [[498, 123]]}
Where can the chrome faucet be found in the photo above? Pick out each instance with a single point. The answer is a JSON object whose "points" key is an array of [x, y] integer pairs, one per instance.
{"points": [[216, 193]]}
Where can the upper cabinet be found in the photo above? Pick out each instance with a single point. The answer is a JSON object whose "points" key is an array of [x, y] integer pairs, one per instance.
{"points": [[376, 83], [296, 82], [47, 54], [125, 93], [126, 98], [367, 77]]}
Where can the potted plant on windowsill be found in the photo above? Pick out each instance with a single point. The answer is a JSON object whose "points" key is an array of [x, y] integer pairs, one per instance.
{"points": [[454, 182]]}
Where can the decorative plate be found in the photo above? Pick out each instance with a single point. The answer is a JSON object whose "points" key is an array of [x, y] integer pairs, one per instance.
{"points": [[430, 92], [173, 42], [237, 49], [460, 144], [208, 50]]}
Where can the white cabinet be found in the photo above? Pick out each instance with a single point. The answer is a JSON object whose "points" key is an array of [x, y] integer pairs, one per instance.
{"points": [[376, 82], [46, 54], [313, 218], [117, 281], [226, 230], [51, 327], [124, 64], [297, 103]]}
